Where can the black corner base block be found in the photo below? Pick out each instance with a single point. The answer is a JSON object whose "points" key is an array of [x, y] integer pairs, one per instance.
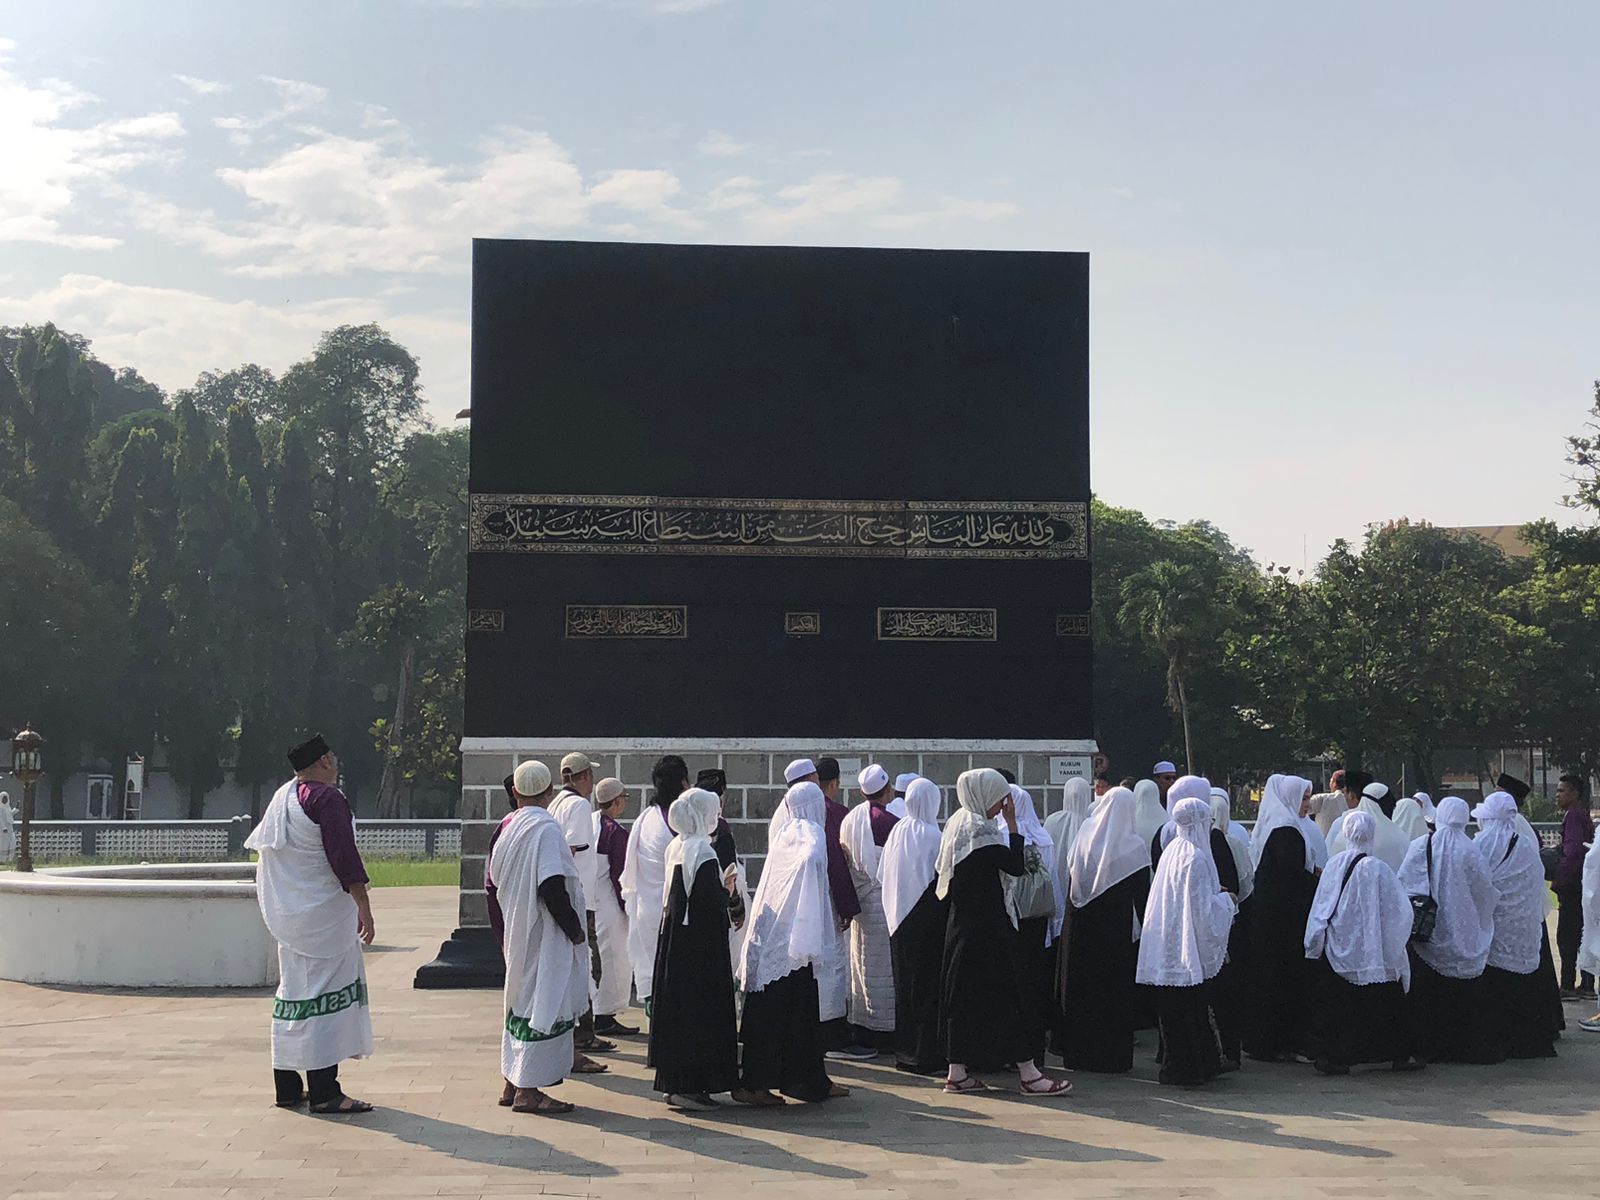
{"points": [[470, 959]]}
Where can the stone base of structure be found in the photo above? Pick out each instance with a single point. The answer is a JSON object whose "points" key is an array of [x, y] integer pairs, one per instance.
{"points": [[754, 767]]}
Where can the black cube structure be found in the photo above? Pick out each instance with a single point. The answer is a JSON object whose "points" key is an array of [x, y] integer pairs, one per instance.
{"points": [[749, 504]]}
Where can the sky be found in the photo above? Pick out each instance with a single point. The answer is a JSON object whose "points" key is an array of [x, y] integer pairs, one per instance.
{"points": [[1344, 258]]}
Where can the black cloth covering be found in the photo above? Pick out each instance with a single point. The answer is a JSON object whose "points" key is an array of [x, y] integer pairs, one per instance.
{"points": [[1517, 1013], [916, 952], [694, 1043], [1038, 964], [983, 1021], [1227, 987], [1356, 1023], [1189, 1043], [783, 1039], [1450, 1019], [1277, 975], [1557, 1011], [1098, 996]]}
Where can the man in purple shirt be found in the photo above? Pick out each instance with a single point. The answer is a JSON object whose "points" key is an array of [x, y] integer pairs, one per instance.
{"points": [[1566, 880], [836, 1037]]}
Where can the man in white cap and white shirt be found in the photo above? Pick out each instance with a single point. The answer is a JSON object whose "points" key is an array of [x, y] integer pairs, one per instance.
{"points": [[1165, 774], [902, 784], [866, 828], [574, 812]]}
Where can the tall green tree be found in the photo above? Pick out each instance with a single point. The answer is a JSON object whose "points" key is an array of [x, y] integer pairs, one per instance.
{"points": [[1165, 603], [47, 413]]}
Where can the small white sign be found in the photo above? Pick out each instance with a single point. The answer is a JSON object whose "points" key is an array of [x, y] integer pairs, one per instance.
{"points": [[1064, 767], [849, 768]]}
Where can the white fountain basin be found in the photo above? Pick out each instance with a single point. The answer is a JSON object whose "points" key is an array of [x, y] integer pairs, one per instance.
{"points": [[163, 925]]}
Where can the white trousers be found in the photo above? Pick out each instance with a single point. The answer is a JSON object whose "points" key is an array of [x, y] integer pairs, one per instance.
{"points": [[611, 939]]}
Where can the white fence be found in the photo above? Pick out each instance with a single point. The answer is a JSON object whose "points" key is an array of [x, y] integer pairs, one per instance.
{"points": [[220, 841]]}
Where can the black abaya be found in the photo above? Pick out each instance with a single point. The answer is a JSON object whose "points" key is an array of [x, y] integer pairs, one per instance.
{"points": [[1356, 1023], [1098, 1008], [982, 1012], [1277, 975], [1450, 1018], [693, 1030], [1189, 1043], [916, 951], [1517, 1013], [783, 1039], [1226, 987]]}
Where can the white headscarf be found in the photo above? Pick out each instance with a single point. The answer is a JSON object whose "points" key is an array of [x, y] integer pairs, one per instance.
{"points": [[694, 815], [1464, 929], [1187, 787], [1425, 802], [1363, 925], [1064, 826], [1186, 921], [911, 854], [1035, 834], [1389, 842], [1239, 847], [1148, 815], [1589, 948], [1409, 819], [1280, 809], [1222, 816], [1108, 849], [855, 835], [790, 912], [1518, 875], [969, 827]]}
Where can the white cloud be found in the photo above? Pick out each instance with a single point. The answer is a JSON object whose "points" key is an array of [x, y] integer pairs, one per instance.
{"points": [[647, 192], [717, 144], [202, 87], [296, 94]]}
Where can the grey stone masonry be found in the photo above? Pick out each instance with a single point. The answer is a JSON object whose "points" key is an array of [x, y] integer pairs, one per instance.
{"points": [[755, 781]]}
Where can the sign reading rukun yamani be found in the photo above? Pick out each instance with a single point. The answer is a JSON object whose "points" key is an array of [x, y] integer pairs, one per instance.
{"points": [[1001, 529]]}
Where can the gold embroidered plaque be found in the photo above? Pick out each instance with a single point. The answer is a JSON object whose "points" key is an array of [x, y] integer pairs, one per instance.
{"points": [[627, 621], [1073, 625], [1001, 529], [936, 625], [802, 624], [486, 620]]}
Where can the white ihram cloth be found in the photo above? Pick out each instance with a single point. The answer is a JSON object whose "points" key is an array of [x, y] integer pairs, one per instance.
{"points": [[694, 815], [1365, 929], [613, 993], [1589, 948], [791, 912], [547, 975], [1518, 875], [910, 857], [1464, 929], [320, 1016], [1148, 815], [970, 827], [1064, 826], [1409, 819], [1035, 834], [1187, 918], [1389, 841], [575, 814], [871, 1002], [644, 876]]}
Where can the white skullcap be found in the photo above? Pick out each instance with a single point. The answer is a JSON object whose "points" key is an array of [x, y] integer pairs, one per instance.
{"points": [[608, 790], [1376, 790], [1163, 768], [872, 779], [531, 778], [799, 769], [903, 782]]}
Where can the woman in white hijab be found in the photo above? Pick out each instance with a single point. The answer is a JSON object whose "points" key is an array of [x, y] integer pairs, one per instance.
{"points": [[1409, 819], [1447, 998], [1039, 924], [1389, 841], [787, 944], [1589, 948], [1515, 989], [694, 1044], [1277, 984], [1222, 816], [1108, 873], [1063, 826], [1148, 814], [982, 1011], [1183, 944], [1357, 934], [907, 871]]}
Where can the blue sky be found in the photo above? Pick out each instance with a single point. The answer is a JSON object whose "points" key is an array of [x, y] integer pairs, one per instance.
{"points": [[1345, 258]]}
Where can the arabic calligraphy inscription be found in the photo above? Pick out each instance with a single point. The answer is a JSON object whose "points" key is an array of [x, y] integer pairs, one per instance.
{"points": [[936, 625], [627, 621]]}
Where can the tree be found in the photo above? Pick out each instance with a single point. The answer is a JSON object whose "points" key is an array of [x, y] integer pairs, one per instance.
{"points": [[1165, 603], [216, 394], [47, 412], [1583, 452]]}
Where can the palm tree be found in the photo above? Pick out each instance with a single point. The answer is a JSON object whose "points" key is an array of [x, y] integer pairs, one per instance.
{"points": [[1163, 603]]}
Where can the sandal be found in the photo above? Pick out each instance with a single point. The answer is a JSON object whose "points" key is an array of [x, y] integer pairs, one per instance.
{"points": [[1053, 1087], [599, 1045], [344, 1106], [540, 1105], [587, 1066], [758, 1099], [508, 1096], [837, 1091], [967, 1083]]}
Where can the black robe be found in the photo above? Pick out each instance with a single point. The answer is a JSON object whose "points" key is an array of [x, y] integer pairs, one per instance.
{"points": [[916, 952], [1188, 1041], [1451, 1020], [783, 1039], [1038, 963], [1227, 986], [1277, 975], [983, 1021], [694, 1043], [1518, 1013], [1099, 957], [1356, 1023]]}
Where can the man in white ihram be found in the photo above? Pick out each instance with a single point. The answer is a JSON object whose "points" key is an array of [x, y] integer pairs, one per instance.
{"points": [[313, 892], [8, 835]]}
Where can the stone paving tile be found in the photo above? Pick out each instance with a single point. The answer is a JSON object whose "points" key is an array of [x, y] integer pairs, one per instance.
{"points": [[117, 1095]]}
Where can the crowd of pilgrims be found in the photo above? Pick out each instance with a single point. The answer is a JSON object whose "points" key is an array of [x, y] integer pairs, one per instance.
{"points": [[1342, 929]]}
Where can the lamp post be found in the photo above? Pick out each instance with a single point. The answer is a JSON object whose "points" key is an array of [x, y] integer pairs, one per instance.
{"points": [[27, 764]]}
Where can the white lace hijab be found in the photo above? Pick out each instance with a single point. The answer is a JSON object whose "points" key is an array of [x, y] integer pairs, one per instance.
{"points": [[1186, 922], [1464, 928], [910, 858], [1364, 925], [790, 912]]}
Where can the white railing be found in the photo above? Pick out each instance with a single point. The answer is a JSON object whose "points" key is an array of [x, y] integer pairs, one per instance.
{"points": [[218, 841]]}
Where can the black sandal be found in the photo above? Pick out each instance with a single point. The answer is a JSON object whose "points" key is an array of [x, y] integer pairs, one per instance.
{"points": [[344, 1106]]}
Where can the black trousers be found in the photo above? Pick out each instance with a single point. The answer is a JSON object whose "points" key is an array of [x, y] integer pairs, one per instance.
{"points": [[1569, 936], [321, 1086]]}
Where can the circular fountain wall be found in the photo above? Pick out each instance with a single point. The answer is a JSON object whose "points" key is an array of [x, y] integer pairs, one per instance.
{"points": [[178, 925]]}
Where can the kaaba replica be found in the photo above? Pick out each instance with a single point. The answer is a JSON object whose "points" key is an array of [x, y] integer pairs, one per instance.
{"points": [[748, 504]]}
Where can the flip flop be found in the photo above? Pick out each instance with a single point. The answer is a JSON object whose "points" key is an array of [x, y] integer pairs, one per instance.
{"points": [[1055, 1087], [344, 1106], [599, 1045], [545, 1106], [970, 1083], [587, 1066]]}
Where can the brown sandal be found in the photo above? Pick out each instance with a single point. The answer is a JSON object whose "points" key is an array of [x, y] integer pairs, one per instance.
{"points": [[758, 1099], [508, 1095], [967, 1083], [344, 1106], [584, 1065], [532, 1100]]}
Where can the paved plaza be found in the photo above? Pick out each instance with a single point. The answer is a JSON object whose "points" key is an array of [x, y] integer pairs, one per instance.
{"points": [[117, 1094]]}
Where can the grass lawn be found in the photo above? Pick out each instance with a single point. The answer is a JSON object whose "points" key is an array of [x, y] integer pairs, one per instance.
{"points": [[402, 872]]}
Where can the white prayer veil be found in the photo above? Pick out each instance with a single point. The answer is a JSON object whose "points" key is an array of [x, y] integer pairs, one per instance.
{"points": [[910, 856], [1187, 787], [1389, 842], [1363, 925], [1064, 826], [1518, 875], [1464, 927], [790, 911], [1148, 815], [970, 827], [1108, 849], [1409, 819], [1239, 848], [1188, 916], [1280, 809], [1425, 802], [855, 835], [694, 815], [1589, 948]]}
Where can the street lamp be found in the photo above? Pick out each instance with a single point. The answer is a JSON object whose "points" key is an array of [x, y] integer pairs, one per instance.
{"points": [[27, 764]]}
